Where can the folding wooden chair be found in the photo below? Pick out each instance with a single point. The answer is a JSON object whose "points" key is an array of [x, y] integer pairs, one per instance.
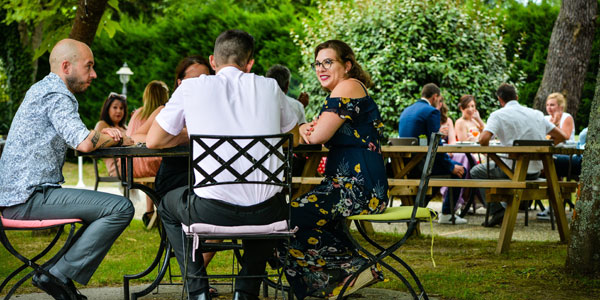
{"points": [[403, 214], [32, 225], [205, 148]]}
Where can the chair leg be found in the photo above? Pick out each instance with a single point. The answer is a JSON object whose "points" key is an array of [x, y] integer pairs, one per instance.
{"points": [[551, 216], [378, 259], [487, 214]]}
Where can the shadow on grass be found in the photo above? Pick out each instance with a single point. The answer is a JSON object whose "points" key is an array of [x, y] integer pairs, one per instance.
{"points": [[465, 268]]}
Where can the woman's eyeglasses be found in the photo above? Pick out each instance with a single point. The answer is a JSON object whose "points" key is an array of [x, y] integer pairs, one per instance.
{"points": [[326, 64], [119, 96]]}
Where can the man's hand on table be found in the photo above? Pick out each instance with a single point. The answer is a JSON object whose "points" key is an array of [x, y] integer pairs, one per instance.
{"points": [[118, 137], [458, 170]]}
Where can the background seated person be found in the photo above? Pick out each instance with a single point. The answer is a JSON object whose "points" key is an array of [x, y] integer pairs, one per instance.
{"points": [[469, 125], [173, 171], [422, 118], [282, 75], [113, 115], [446, 124], [156, 94], [555, 106], [512, 122]]}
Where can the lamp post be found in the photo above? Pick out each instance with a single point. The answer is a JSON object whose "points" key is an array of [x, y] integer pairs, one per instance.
{"points": [[124, 73]]}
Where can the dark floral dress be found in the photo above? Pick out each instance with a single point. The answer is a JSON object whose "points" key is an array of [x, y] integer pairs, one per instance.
{"points": [[355, 182]]}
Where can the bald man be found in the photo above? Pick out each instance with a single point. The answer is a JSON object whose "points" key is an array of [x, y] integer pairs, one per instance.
{"points": [[46, 123]]}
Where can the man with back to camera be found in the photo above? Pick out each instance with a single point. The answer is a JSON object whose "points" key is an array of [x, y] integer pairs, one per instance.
{"points": [[232, 102], [512, 122], [423, 118], [46, 123]]}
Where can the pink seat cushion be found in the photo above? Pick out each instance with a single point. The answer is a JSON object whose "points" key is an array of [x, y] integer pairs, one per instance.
{"points": [[33, 224], [203, 228]]}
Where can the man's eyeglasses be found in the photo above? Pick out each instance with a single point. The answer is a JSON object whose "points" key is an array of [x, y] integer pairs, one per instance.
{"points": [[119, 96], [326, 64]]}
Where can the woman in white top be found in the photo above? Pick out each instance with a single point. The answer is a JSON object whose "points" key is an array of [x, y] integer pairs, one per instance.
{"points": [[470, 125], [555, 106]]}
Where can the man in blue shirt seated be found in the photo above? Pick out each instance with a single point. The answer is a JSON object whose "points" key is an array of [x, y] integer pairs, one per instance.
{"points": [[422, 118]]}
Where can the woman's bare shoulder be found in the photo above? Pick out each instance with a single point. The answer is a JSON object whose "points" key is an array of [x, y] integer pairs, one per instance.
{"points": [[349, 88]]}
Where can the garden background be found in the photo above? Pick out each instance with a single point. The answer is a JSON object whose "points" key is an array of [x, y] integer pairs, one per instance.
{"points": [[467, 47]]}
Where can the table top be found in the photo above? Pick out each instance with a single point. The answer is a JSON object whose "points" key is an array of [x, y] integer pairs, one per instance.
{"points": [[135, 151], [142, 151], [472, 148]]}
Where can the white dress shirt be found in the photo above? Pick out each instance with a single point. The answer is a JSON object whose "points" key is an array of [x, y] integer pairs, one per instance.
{"points": [[298, 108], [517, 122], [230, 103]]}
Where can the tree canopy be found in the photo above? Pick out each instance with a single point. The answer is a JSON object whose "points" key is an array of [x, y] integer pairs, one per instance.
{"points": [[405, 44]]}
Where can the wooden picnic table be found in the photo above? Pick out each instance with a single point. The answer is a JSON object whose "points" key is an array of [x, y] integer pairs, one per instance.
{"points": [[517, 182]]}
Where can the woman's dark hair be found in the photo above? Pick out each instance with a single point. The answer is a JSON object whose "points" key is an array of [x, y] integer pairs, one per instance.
{"points": [[443, 113], [464, 101], [185, 63], [345, 54], [107, 103]]}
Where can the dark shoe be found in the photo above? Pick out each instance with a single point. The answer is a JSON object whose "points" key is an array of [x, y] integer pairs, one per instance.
{"points": [[213, 291], [146, 217], [200, 296], [75, 291], [239, 295], [496, 219], [51, 288]]}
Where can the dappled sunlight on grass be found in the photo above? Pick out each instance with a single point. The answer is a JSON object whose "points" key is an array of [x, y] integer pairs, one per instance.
{"points": [[466, 268]]}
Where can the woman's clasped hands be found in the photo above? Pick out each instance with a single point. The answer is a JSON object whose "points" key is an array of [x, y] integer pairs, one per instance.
{"points": [[307, 129]]}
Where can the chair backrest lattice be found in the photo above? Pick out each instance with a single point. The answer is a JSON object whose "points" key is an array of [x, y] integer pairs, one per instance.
{"points": [[252, 157]]}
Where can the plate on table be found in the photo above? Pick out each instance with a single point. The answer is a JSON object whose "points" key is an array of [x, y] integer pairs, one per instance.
{"points": [[466, 143]]}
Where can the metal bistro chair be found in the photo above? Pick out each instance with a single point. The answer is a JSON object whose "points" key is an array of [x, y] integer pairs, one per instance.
{"points": [[403, 214], [206, 148], [105, 178], [31, 225]]}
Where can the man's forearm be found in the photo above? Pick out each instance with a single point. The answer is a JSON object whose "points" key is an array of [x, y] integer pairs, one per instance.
{"points": [[97, 140]]}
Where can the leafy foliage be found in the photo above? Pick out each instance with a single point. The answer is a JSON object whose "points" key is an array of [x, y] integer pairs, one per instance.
{"points": [[526, 36], [152, 49], [16, 64], [406, 44], [527, 31]]}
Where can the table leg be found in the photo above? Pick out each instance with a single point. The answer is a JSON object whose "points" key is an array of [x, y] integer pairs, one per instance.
{"points": [[512, 209], [310, 170], [555, 198]]}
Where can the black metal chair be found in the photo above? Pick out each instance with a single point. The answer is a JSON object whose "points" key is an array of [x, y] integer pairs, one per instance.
{"points": [[104, 178], [403, 214], [35, 225], [206, 148]]}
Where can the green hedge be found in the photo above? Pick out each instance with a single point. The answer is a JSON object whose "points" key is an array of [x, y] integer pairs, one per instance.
{"points": [[527, 31], [405, 44]]}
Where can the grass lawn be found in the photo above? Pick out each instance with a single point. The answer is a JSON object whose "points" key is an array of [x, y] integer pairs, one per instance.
{"points": [[71, 172], [466, 268]]}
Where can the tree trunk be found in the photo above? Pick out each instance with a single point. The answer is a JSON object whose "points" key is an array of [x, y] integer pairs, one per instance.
{"points": [[568, 53], [89, 13], [583, 254]]}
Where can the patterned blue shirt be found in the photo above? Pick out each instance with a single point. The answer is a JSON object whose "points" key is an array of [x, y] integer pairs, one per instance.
{"points": [[45, 124]]}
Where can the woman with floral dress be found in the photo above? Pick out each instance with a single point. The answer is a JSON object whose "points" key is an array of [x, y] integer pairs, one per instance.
{"points": [[321, 256]]}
